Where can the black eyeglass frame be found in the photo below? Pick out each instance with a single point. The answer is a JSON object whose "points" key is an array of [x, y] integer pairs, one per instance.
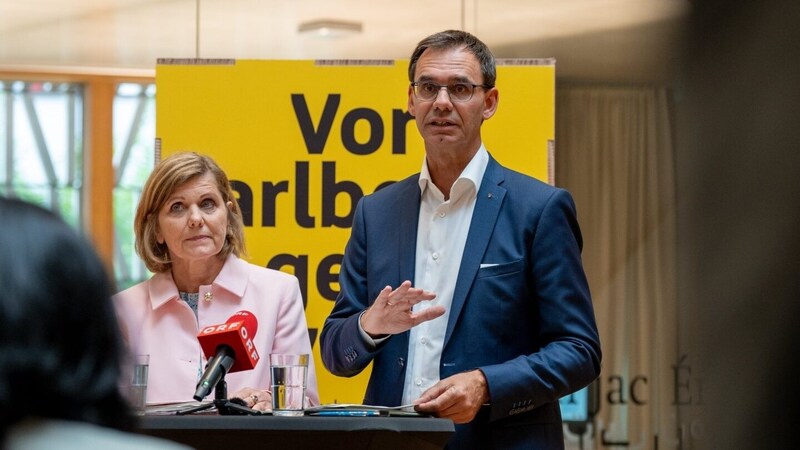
{"points": [[416, 84]]}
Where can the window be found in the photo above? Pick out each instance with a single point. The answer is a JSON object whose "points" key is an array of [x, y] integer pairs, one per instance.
{"points": [[41, 145], [134, 154]]}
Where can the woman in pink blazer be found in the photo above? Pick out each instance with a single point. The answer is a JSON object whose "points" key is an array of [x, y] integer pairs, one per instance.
{"points": [[190, 234]]}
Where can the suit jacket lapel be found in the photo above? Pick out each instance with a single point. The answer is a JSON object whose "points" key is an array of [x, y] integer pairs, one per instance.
{"points": [[407, 211], [487, 207]]}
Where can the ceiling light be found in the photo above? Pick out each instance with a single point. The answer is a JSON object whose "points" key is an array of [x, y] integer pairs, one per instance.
{"points": [[330, 28]]}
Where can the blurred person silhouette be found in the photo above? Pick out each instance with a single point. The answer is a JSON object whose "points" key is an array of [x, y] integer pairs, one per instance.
{"points": [[189, 232], [61, 352], [739, 222]]}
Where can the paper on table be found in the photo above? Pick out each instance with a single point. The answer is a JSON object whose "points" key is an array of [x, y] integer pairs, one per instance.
{"points": [[172, 408], [332, 406]]}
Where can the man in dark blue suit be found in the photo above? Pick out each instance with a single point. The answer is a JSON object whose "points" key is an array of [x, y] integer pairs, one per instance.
{"points": [[500, 323]]}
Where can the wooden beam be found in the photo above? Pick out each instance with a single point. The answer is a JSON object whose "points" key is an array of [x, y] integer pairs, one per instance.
{"points": [[98, 166]]}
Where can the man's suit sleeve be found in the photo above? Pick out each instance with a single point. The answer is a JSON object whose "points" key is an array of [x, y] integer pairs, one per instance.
{"points": [[569, 356], [344, 351]]}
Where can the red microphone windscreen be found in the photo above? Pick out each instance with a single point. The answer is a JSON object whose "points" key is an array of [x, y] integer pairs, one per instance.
{"points": [[237, 333], [249, 319]]}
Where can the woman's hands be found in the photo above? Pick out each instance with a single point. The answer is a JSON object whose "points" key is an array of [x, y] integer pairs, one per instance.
{"points": [[258, 399]]}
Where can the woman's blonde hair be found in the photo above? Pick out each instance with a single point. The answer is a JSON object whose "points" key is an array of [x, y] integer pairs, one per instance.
{"points": [[168, 175]]}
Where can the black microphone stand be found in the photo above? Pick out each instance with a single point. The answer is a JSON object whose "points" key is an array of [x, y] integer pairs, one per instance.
{"points": [[225, 406]]}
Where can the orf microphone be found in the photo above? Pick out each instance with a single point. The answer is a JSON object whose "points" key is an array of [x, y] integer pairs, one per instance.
{"points": [[229, 348]]}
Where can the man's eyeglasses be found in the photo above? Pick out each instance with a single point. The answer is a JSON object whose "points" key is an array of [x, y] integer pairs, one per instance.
{"points": [[459, 92]]}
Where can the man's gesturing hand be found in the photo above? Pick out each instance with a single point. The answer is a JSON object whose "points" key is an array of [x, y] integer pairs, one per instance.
{"points": [[391, 313]]}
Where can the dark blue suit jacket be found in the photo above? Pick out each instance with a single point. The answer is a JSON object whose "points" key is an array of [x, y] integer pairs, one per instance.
{"points": [[527, 321]]}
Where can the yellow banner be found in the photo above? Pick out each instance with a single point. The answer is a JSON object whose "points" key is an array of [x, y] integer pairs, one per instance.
{"points": [[302, 141]]}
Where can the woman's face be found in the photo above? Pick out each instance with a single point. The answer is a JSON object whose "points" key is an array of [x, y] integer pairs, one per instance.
{"points": [[194, 220]]}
